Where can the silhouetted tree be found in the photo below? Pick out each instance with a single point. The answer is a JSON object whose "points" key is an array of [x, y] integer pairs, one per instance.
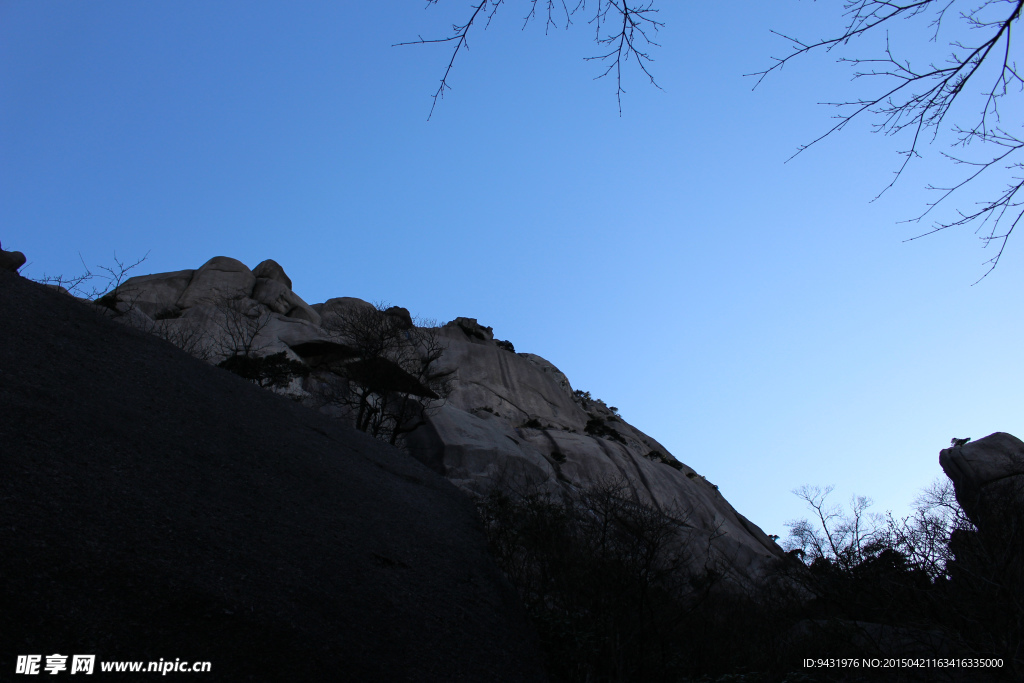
{"points": [[605, 577], [623, 590], [273, 370], [110, 278], [393, 377], [946, 583], [242, 321]]}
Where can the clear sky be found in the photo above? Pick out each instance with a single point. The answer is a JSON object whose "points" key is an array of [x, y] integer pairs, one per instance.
{"points": [[764, 320]]}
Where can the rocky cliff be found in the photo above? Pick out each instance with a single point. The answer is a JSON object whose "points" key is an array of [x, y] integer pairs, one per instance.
{"points": [[988, 475], [508, 419], [156, 508]]}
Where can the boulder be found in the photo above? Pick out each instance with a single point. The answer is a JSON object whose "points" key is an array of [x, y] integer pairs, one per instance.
{"points": [[479, 451], [271, 270], [341, 306], [280, 299], [156, 295], [272, 294], [291, 331], [219, 279], [472, 329], [402, 315], [513, 386], [11, 260], [987, 473], [547, 367]]}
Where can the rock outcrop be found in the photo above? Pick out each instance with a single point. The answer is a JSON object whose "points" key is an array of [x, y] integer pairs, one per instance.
{"points": [[272, 270], [988, 474], [511, 418], [11, 261]]}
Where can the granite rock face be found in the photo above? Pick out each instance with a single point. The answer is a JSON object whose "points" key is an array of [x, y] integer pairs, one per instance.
{"points": [[225, 304], [218, 279], [156, 295], [512, 419], [272, 270], [987, 473]]}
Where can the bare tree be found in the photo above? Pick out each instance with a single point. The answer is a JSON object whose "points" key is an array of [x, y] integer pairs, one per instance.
{"points": [[924, 536], [621, 589], [109, 277], [393, 378], [187, 334], [835, 536], [919, 102], [241, 320], [621, 30]]}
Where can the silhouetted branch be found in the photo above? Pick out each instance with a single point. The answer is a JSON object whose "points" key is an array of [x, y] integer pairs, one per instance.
{"points": [[75, 285], [629, 39], [918, 101], [632, 29]]}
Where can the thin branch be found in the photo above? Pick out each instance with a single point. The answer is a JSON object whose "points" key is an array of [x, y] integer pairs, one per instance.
{"points": [[631, 39], [918, 101], [460, 36]]}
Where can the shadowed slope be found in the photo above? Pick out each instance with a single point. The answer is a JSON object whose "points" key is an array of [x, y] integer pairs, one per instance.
{"points": [[154, 507]]}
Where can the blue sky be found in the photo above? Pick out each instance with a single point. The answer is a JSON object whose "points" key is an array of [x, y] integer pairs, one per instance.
{"points": [[764, 320]]}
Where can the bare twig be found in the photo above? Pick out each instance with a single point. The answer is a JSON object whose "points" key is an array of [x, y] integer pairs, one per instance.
{"points": [[76, 284], [630, 37]]}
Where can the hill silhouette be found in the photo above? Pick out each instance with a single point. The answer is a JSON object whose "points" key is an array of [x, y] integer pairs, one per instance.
{"points": [[157, 507]]}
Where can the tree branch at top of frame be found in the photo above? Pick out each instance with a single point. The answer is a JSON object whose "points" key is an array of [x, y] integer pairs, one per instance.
{"points": [[917, 102], [632, 25]]}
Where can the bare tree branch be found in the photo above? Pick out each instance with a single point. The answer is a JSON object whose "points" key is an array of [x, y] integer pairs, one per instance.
{"points": [[634, 27], [75, 285], [917, 102], [460, 33], [630, 38]]}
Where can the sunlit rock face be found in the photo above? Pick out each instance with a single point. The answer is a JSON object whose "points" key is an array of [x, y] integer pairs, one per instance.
{"points": [[224, 304], [988, 474], [514, 419], [511, 420]]}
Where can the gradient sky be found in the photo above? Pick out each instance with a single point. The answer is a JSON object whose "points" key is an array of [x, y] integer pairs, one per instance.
{"points": [[764, 320]]}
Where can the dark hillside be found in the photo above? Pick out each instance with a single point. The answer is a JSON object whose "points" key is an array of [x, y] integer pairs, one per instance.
{"points": [[155, 507]]}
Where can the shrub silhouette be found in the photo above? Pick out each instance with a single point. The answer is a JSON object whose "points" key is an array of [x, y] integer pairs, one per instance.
{"points": [[596, 426], [395, 377], [935, 584], [621, 590], [275, 370]]}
